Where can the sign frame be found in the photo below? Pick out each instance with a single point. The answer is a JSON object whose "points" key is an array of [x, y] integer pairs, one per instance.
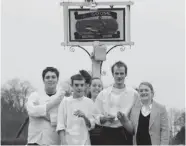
{"points": [[66, 23]]}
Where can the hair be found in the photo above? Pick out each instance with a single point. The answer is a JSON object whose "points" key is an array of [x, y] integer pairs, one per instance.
{"points": [[76, 77], [50, 69], [119, 64], [86, 76], [149, 85], [94, 78]]}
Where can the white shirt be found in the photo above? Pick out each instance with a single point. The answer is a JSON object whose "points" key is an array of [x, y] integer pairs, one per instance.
{"points": [[40, 129], [111, 100], [146, 110], [76, 131]]}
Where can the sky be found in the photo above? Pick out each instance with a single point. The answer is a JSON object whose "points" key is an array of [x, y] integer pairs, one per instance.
{"points": [[32, 31]]}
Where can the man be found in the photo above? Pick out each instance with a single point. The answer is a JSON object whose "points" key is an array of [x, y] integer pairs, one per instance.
{"points": [[114, 104], [42, 111], [75, 115]]}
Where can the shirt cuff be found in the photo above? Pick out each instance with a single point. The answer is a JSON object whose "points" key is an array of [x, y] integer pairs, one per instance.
{"points": [[97, 119], [37, 111], [60, 127]]}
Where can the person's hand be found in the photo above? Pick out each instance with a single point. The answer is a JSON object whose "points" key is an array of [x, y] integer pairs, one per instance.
{"points": [[109, 118], [66, 88], [82, 115], [122, 117], [61, 93], [59, 97], [68, 93], [79, 114], [36, 103]]}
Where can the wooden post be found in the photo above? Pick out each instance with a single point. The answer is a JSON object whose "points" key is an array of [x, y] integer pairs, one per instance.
{"points": [[96, 68], [99, 55]]}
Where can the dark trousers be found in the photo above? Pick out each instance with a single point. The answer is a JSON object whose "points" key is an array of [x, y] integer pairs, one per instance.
{"points": [[32, 144], [95, 140], [115, 136], [95, 135]]}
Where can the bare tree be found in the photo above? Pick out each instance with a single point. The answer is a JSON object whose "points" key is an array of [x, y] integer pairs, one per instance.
{"points": [[15, 92], [177, 122]]}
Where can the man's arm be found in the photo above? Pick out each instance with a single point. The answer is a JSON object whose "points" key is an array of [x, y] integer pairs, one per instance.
{"points": [[36, 110], [33, 107], [87, 121], [128, 124], [99, 115], [56, 100], [125, 122], [129, 127]]}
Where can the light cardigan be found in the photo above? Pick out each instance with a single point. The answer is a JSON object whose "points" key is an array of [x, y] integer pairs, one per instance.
{"points": [[158, 123], [42, 125]]}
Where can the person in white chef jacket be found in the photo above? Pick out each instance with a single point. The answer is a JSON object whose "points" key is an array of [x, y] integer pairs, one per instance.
{"points": [[42, 111], [75, 115], [114, 105]]}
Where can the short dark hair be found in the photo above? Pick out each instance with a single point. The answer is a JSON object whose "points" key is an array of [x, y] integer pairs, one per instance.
{"points": [[119, 64], [51, 69], [76, 77], [86, 76]]}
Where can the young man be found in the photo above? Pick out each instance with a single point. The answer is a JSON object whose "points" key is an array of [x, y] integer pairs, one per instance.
{"points": [[114, 104], [75, 115], [42, 111]]}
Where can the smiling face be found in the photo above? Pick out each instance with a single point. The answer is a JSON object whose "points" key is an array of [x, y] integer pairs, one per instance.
{"points": [[95, 87], [146, 94], [50, 80], [78, 87]]}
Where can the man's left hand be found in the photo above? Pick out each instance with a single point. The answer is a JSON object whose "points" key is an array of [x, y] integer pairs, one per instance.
{"points": [[122, 117], [82, 115], [79, 114]]}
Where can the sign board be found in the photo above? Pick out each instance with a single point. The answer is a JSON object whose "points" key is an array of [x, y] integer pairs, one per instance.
{"points": [[97, 25], [85, 23]]}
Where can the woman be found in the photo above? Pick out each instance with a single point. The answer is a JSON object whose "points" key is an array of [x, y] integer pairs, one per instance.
{"points": [[95, 87], [87, 78], [149, 118]]}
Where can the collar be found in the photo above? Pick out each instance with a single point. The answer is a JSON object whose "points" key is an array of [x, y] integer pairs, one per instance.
{"points": [[146, 107], [51, 94], [111, 88], [143, 105], [120, 88], [79, 98]]}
